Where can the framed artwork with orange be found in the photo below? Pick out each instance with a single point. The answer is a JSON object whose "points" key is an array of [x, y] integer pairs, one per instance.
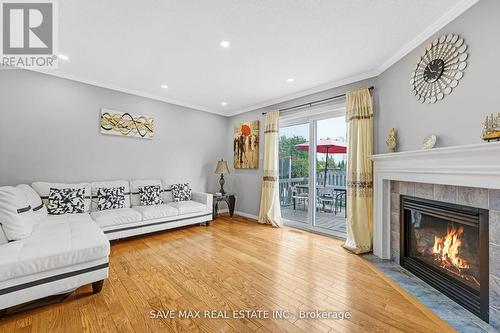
{"points": [[246, 145]]}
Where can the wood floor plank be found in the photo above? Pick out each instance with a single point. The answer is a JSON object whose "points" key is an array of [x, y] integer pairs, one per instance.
{"points": [[233, 265]]}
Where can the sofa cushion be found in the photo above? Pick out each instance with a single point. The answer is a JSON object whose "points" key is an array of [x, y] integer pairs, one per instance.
{"points": [[43, 190], [34, 200], [109, 217], [110, 198], [16, 216], [95, 186], [187, 207], [135, 199], [156, 212], [56, 242]]}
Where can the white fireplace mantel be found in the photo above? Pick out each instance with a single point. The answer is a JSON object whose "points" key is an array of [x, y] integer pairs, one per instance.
{"points": [[476, 165]]}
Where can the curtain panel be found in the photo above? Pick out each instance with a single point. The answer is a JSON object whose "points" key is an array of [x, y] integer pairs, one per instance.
{"points": [[270, 210], [359, 117]]}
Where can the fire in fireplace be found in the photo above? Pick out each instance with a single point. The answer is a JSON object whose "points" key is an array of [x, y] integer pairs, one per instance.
{"points": [[451, 254], [446, 245]]}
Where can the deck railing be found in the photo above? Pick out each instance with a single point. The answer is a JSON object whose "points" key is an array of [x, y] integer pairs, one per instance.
{"points": [[286, 186], [334, 177]]}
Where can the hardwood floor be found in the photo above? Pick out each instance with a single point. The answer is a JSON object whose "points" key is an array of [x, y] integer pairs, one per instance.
{"points": [[233, 265]]}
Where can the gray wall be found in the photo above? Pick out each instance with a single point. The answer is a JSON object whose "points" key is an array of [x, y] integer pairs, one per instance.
{"points": [[247, 182], [457, 119], [38, 111], [49, 130]]}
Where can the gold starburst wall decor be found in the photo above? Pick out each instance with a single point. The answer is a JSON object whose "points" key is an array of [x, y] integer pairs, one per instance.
{"points": [[439, 69]]}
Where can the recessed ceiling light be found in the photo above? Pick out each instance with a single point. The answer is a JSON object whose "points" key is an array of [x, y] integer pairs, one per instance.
{"points": [[164, 86], [290, 80], [63, 57], [225, 44], [223, 103]]}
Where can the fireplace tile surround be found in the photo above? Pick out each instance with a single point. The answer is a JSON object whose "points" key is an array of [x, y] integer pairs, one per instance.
{"points": [[467, 196], [466, 175], [458, 317]]}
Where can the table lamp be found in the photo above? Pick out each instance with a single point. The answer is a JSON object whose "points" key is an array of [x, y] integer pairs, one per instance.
{"points": [[223, 170]]}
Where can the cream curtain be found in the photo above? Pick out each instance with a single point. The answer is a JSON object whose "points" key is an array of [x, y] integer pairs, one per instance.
{"points": [[270, 211], [359, 117]]}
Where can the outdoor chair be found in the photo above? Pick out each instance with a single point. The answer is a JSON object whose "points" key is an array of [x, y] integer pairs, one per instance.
{"points": [[300, 197], [326, 197], [340, 200]]}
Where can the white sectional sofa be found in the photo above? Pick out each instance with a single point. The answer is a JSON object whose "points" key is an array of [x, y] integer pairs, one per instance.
{"points": [[64, 252]]}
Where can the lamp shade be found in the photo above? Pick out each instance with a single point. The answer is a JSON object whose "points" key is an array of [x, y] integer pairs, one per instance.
{"points": [[222, 168]]}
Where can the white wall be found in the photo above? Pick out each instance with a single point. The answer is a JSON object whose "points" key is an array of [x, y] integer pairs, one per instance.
{"points": [[457, 119], [49, 130]]}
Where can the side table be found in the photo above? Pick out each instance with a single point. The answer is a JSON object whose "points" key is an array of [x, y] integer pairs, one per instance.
{"points": [[229, 198]]}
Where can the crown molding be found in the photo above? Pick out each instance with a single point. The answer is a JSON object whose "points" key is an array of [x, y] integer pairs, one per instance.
{"points": [[439, 24], [139, 93], [302, 93]]}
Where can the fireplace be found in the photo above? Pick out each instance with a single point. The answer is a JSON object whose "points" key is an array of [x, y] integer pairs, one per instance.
{"points": [[446, 245]]}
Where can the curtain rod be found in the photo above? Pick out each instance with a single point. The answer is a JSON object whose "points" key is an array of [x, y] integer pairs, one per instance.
{"points": [[313, 103]]}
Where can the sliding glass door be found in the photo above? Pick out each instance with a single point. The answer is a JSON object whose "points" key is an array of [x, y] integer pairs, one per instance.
{"points": [[294, 174], [331, 165], [313, 174]]}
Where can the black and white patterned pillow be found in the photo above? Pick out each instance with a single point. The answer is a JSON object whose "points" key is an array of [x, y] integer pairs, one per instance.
{"points": [[110, 198], [181, 192], [66, 201], [150, 195]]}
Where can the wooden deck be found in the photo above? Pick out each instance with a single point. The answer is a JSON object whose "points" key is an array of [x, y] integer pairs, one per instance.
{"points": [[326, 220]]}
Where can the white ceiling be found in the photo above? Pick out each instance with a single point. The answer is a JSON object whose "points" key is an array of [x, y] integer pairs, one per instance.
{"points": [[135, 46]]}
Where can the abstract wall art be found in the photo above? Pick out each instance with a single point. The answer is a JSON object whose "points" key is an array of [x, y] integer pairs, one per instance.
{"points": [[246, 145], [126, 124]]}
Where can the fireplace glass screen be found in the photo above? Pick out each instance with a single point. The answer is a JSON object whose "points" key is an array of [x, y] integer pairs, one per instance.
{"points": [[446, 245], [451, 247]]}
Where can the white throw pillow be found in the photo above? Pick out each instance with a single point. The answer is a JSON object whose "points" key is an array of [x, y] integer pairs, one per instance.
{"points": [[37, 206], [16, 215], [3, 238]]}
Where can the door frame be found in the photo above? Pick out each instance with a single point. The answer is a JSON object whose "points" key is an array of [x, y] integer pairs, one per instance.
{"points": [[312, 120]]}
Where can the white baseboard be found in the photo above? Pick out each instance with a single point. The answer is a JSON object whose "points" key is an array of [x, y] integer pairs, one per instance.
{"points": [[250, 216], [237, 212]]}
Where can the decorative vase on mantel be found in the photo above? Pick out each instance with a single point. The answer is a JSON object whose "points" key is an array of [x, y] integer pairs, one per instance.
{"points": [[392, 141]]}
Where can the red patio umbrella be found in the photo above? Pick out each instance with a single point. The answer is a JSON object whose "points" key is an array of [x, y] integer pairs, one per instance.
{"points": [[326, 146]]}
